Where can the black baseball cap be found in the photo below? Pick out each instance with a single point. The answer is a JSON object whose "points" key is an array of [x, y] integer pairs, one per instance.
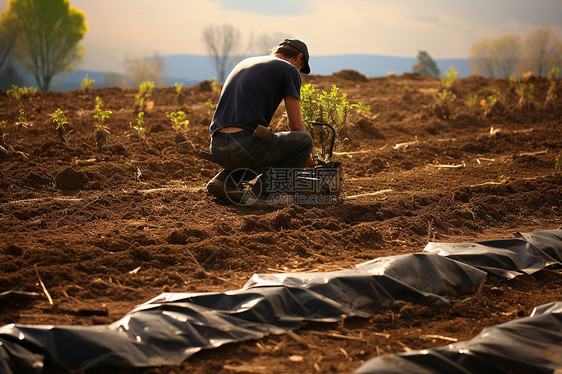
{"points": [[301, 47]]}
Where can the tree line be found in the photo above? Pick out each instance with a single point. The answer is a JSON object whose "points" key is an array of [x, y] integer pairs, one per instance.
{"points": [[43, 38], [506, 56]]}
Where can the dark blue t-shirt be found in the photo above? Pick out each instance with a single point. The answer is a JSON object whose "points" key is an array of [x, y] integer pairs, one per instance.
{"points": [[253, 91]]}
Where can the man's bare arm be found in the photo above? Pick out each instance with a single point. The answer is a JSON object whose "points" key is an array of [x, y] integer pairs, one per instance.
{"points": [[293, 108]]}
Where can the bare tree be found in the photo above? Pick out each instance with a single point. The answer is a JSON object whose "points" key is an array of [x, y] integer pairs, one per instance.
{"points": [[496, 57], [542, 51], [508, 49], [223, 43], [482, 58], [265, 42]]}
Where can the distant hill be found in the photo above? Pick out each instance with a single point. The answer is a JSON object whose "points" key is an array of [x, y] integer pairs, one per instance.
{"points": [[191, 69]]}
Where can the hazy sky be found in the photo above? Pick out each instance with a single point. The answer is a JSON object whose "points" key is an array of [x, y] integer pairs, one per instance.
{"points": [[445, 29]]}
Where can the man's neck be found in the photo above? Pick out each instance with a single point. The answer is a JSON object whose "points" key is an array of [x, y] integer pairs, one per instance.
{"points": [[292, 61]]}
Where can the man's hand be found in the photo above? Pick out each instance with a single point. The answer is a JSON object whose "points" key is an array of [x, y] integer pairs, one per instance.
{"points": [[310, 163]]}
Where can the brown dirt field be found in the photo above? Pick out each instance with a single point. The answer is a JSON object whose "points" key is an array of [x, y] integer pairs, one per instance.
{"points": [[128, 222]]}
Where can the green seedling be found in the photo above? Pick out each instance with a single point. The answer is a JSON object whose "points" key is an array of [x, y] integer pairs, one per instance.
{"points": [[179, 121], [3, 132], [140, 127], [87, 83], [5, 148], [448, 81], [178, 87], [513, 80], [102, 130], [210, 106], [552, 76], [143, 100], [59, 120], [17, 93], [470, 102], [558, 163], [491, 102], [22, 121], [526, 95], [441, 100]]}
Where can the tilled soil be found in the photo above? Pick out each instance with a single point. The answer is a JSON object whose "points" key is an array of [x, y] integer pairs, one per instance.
{"points": [[107, 228]]}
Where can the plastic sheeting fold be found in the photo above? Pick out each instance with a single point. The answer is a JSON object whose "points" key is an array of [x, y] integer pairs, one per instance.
{"points": [[526, 345], [173, 326]]}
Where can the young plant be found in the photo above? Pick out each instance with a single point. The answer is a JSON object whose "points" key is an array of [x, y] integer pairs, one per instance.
{"points": [[210, 106], [87, 83], [140, 128], [526, 95], [491, 102], [22, 121], [143, 99], [407, 94], [441, 103], [552, 76], [17, 93], [558, 163], [331, 107], [448, 81], [102, 131], [181, 96], [179, 121], [3, 132], [470, 102], [59, 120], [5, 148]]}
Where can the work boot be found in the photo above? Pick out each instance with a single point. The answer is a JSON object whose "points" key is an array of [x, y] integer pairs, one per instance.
{"points": [[225, 192]]}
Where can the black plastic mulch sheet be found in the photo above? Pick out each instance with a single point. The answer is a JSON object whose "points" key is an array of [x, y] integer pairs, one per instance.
{"points": [[507, 257], [173, 326], [526, 345]]}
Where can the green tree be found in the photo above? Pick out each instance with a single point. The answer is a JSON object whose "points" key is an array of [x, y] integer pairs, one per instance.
{"points": [[8, 33], [426, 65], [47, 41]]}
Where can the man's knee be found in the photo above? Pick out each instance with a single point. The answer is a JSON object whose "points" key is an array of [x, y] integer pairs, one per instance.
{"points": [[304, 138]]}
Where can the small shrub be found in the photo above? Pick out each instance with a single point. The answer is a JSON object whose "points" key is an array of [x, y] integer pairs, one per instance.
{"points": [[331, 107]]}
